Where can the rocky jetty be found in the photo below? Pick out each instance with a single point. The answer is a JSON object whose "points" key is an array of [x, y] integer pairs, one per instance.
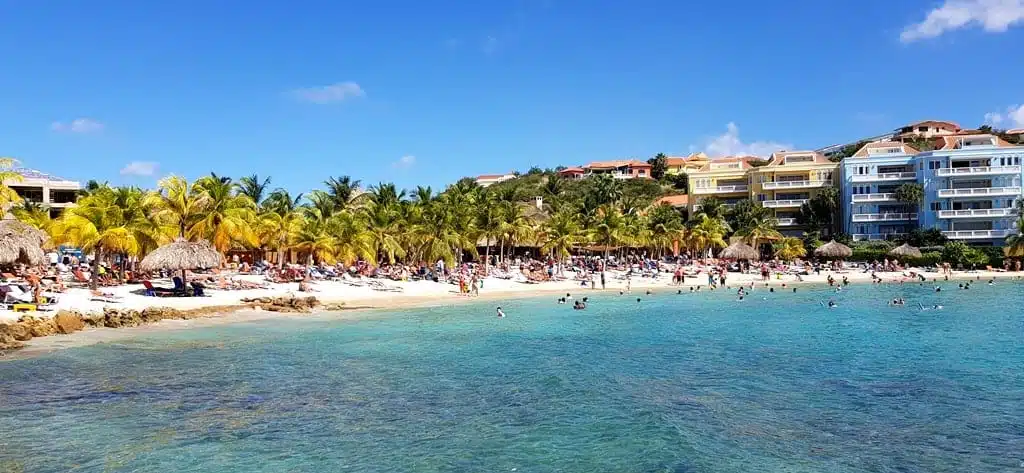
{"points": [[284, 304]]}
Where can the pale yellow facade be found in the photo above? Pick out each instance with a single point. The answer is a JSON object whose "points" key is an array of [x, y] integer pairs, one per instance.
{"points": [[725, 179], [691, 163], [788, 181]]}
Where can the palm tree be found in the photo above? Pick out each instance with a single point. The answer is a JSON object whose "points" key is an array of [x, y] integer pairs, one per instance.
{"points": [[444, 232], [708, 233], [514, 226], [277, 224], [352, 239], [1015, 243], [489, 224], [712, 207], [560, 234], [33, 214], [97, 226], [178, 204], [665, 226], [790, 248], [383, 225], [609, 228], [253, 187], [92, 186], [911, 194], [385, 194], [324, 204], [226, 218], [759, 230], [8, 175], [606, 189], [343, 190], [312, 238]]}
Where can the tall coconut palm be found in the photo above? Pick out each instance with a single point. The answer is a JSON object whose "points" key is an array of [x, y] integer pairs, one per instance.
{"points": [[179, 204], [489, 223], [313, 238], [560, 234], [97, 226], [324, 204], [385, 195], [354, 241], [33, 214], [227, 216], [515, 227], [712, 207], [253, 187], [383, 228], [609, 229], [708, 233], [665, 226], [8, 176], [790, 248], [759, 230], [443, 232], [343, 191]]}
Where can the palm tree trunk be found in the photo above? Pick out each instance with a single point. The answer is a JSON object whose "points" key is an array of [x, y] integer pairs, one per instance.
{"points": [[94, 279], [487, 255]]}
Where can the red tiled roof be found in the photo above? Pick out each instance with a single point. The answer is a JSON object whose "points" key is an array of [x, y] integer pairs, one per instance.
{"points": [[678, 200], [571, 170], [617, 163], [778, 158], [938, 123], [863, 151]]}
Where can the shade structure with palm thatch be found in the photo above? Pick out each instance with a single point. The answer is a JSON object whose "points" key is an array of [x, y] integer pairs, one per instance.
{"points": [[738, 251], [905, 251], [833, 250], [21, 243], [182, 255]]}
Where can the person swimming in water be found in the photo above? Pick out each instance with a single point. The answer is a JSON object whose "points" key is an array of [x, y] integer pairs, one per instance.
{"points": [[561, 300], [500, 313], [637, 300], [832, 304]]}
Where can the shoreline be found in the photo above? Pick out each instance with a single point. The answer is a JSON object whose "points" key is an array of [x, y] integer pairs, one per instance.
{"points": [[350, 306]]}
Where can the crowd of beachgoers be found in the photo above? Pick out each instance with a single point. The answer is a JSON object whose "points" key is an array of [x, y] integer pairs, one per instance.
{"points": [[64, 283]]}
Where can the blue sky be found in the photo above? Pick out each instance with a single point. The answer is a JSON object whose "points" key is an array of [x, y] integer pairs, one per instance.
{"points": [[421, 92]]}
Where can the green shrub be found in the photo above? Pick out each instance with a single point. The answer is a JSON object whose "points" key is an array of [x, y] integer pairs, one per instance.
{"points": [[931, 258]]}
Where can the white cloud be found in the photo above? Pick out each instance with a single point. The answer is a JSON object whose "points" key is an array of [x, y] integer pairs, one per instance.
{"points": [[1013, 117], [993, 16], [729, 144], [405, 162], [329, 93], [140, 168], [78, 125]]}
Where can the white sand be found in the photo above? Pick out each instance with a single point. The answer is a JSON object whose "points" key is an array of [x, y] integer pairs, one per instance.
{"points": [[431, 293]]}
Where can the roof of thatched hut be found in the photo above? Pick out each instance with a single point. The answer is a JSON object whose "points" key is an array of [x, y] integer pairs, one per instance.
{"points": [[833, 249], [182, 255], [739, 250], [19, 248], [906, 250], [23, 229]]}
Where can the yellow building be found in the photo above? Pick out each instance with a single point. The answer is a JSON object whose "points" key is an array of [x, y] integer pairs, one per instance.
{"points": [[680, 165], [789, 180], [723, 178]]}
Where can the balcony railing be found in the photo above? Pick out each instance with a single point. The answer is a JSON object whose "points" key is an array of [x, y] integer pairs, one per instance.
{"points": [[884, 217], [884, 176], [786, 222], [977, 171], [721, 189], [978, 213], [876, 236], [979, 192], [794, 184], [976, 234], [874, 197], [774, 204]]}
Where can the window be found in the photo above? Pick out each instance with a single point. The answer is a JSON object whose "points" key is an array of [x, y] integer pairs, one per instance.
{"points": [[936, 206], [761, 197], [920, 166], [922, 129]]}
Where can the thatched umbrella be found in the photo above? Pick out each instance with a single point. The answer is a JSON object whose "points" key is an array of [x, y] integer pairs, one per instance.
{"points": [[22, 229], [18, 248], [834, 250], [738, 251], [182, 255], [905, 250]]}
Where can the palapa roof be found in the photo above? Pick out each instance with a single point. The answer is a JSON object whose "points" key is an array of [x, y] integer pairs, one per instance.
{"points": [[21, 243], [739, 250], [182, 254], [833, 249], [906, 250]]}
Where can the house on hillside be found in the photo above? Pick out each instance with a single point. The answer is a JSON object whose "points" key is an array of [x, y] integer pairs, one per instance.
{"points": [[619, 169], [486, 180]]}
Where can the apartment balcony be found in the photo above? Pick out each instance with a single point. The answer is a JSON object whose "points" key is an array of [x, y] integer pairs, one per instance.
{"points": [[977, 234], [978, 213], [794, 184], [886, 197], [876, 236], [979, 192], [885, 217], [777, 204], [977, 171], [786, 222], [885, 176], [727, 206], [721, 189]]}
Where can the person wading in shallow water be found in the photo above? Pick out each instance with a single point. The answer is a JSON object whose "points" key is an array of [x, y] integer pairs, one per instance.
{"points": [[500, 313]]}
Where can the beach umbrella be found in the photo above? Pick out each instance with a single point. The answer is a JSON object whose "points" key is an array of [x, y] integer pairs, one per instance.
{"points": [[905, 250], [19, 228], [182, 255], [834, 250], [18, 248], [738, 251]]}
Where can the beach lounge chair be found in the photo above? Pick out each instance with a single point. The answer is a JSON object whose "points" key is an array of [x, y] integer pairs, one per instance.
{"points": [[197, 289], [100, 296], [154, 291]]}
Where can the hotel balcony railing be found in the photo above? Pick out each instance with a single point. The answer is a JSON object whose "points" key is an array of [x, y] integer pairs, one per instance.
{"points": [[885, 176], [886, 217], [977, 171], [794, 184], [774, 204], [787, 222], [978, 213], [721, 189], [977, 234], [979, 192], [876, 236], [885, 197]]}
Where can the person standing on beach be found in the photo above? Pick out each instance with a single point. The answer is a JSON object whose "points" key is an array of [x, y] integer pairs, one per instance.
{"points": [[602, 279]]}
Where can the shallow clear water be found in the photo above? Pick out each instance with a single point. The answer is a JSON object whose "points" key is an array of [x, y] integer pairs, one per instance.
{"points": [[676, 383]]}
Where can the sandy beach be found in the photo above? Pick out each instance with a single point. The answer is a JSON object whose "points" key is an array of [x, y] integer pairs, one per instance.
{"points": [[359, 300]]}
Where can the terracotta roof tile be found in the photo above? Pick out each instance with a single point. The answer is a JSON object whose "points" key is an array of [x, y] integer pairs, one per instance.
{"points": [[678, 200], [863, 151]]}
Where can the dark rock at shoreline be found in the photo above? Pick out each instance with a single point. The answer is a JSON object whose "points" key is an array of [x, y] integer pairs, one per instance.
{"points": [[284, 304], [39, 327], [68, 322]]}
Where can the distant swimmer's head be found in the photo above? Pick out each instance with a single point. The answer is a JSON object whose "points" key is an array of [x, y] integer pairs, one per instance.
{"points": [[638, 299]]}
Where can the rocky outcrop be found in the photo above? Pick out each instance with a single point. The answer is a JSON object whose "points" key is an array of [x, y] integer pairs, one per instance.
{"points": [[68, 321], [284, 304], [9, 337], [38, 326]]}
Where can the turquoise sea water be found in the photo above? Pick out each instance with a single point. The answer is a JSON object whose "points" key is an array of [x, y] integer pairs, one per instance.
{"points": [[676, 383]]}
